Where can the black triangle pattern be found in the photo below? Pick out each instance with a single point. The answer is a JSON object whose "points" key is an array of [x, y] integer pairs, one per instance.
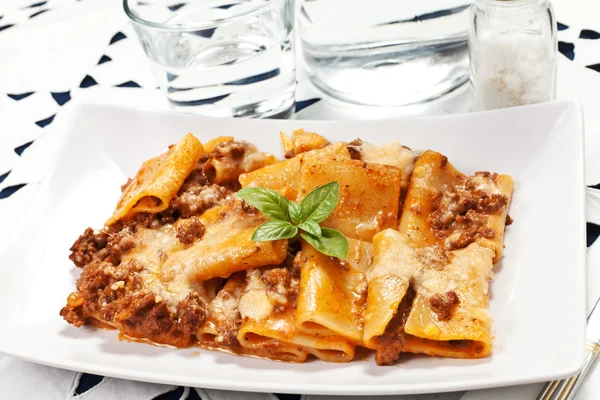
{"points": [[301, 105], [87, 82], [86, 382], [35, 5], [176, 7], [567, 49], [128, 84], [595, 67], [35, 14], [116, 37], [20, 149], [589, 34], [20, 96], [4, 176], [10, 190], [46, 121], [61, 98], [593, 232], [104, 59]]}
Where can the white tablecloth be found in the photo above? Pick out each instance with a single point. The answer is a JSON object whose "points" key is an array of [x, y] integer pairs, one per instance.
{"points": [[58, 51]]}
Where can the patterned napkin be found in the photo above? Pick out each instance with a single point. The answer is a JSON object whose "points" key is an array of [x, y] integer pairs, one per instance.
{"points": [[58, 50]]}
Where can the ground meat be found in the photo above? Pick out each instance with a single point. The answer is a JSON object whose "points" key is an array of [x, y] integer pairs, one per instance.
{"points": [[87, 248], [295, 267], [232, 186], [100, 285], [120, 244], [228, 331], [114, 296], [491, 204], [466, 230], [291, 153], [509, 220], [392, 342], [443, 304], [191, 314], [143, 220], [390, 352], [354, 149], [110, 290], [452, 203], [144, 317], [73, 312], [85, 302], [277, 281], [276, 276], [197, 199], [195, 178], [190, 230], [486, 174], [233, 149], [230, 159], [461, 213]]}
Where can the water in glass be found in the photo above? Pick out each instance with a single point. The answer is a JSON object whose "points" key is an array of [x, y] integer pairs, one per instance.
{"points": [[385, 52], [223, 58]]}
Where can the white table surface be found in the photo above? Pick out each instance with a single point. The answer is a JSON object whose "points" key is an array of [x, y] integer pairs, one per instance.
{"points": [[50, 54]]}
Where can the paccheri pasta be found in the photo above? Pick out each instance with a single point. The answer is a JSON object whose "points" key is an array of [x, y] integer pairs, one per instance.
{"points": [[176, 263]]}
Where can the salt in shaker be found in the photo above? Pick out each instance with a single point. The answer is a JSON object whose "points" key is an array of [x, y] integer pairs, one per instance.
{"points": [[513, 51]]}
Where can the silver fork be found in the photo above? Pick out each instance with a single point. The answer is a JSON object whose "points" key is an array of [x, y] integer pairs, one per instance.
{"points": [[565, 389]]}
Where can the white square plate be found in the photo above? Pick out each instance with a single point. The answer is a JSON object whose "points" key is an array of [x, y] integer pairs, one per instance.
{"points": [[537, 295]]}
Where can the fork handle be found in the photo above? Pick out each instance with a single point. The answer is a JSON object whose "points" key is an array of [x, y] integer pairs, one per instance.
{"points": [[565, 389]]}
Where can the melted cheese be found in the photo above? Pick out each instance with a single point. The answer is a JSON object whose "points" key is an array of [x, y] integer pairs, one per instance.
{"points": [[415, 256], [172, 269], [153, 247], [393, 154], [226, 246], [255, 303]]}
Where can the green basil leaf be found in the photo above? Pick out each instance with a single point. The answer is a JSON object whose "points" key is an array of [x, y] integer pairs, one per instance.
{"points": [[274, 230], [268, 201], [295, 212], [320, 202], [311, 227], [332, 243]]}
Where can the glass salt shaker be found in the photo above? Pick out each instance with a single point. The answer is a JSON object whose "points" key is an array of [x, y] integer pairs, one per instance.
{"points": [[513, 52]]}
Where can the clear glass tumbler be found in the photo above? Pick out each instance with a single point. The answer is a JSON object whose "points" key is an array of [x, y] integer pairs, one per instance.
{"points": [[385, 52], [231, 58]]}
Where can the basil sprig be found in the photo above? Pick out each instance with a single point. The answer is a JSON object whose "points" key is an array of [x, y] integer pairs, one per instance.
{"points": [[288, 218]]}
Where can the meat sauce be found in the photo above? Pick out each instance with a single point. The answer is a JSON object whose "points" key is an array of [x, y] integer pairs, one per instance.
{"points": [[461, 212], [110, 292]]}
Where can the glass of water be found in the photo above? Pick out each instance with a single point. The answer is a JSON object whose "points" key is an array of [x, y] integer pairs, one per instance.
{"points": [[385, 52], [223, 58]]}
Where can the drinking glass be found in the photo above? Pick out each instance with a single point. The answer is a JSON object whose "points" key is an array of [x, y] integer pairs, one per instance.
{"points": [[385, 52], [224, 58]]}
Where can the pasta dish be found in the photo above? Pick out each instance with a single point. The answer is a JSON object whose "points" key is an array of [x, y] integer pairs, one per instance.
{"points": [[351, 244]]}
